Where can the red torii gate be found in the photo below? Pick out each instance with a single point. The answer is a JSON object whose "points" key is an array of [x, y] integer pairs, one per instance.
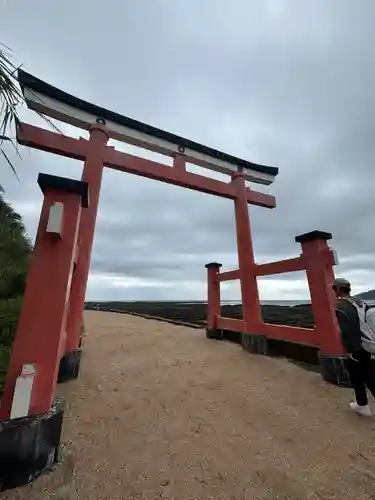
{"points": [[103, 124], [50, 324]]}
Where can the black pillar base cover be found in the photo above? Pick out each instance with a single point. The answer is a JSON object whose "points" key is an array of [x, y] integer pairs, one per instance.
{"points": [[69, 366], [256, 344], [29, 446], [212, 333], [333, 370]]}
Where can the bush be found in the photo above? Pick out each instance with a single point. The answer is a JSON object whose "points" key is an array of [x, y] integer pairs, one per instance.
{"points": [[15, 251], [4, 361]]}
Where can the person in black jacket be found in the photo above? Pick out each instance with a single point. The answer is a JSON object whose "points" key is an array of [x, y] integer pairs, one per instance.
{"points": [[359, 363]]}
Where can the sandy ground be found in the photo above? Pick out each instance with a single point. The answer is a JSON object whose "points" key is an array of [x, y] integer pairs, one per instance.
{"points": [[160, 412]]}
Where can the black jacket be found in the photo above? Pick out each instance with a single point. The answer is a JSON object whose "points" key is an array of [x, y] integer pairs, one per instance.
{"points": [[348, 320]]}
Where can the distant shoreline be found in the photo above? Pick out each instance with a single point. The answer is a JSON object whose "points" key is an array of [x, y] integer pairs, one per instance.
{"points": [[286, 312], [281, 303], [290, 313]]}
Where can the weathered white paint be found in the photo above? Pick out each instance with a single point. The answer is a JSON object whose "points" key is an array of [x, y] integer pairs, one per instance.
{"points": [[55, 218], [73, 116], [335, 257], [22, 392]]}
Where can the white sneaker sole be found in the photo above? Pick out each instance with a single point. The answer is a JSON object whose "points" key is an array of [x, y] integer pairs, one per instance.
{"points": [[361, 412]]}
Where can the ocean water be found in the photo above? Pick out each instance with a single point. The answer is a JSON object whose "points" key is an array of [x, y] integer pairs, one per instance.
{"points": [[284, 302], [263, 302], [289, 303]]}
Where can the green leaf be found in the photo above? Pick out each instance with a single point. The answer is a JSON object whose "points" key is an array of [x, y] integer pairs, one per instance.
{"points": [[15, 253]]}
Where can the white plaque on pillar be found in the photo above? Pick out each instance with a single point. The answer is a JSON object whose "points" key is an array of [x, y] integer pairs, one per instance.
{"points": [[22, 392], [55, 218], [335, 257]]}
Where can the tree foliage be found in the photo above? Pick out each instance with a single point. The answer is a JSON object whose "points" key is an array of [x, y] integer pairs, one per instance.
{"points": [[15, 251]]}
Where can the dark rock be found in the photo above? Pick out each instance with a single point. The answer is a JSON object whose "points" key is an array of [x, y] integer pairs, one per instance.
{"points": [[195, 312], [214, 334]]}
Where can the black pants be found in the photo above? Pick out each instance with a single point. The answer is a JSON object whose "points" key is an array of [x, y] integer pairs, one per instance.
{"points": [[362, 374]]}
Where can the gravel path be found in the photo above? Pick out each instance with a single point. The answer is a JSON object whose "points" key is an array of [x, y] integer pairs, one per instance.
{"points": [[160, 412]]}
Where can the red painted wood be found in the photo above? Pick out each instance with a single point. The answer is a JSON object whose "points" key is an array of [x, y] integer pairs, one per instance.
{"points": [[158, 171], [318, 260], [92, 174], [231, 324], [213, 296], [328, 257], [280, 266], [179, 162], [51, 142], [260, 199], [43, 316], [230, 275], [249, 287], [306, 336], [320, 276]]}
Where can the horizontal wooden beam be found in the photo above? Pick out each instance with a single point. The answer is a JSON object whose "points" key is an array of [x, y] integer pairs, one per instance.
{"points": [[280, 266], [229, 275], [298, 335], [230, 324], [179, 177], [260, 199], [52, 142], [291, 265], [125, 162]]}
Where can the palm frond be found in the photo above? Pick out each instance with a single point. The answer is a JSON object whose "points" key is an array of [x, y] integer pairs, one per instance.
{"points": [[10, 93], [11, 98]]}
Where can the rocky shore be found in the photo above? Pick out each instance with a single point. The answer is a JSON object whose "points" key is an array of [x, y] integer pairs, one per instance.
{"points": [[195, 313]]}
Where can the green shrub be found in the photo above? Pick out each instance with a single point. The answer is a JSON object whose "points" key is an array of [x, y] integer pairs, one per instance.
{"points": [[15, 251], [9, 313], [4, 361]]}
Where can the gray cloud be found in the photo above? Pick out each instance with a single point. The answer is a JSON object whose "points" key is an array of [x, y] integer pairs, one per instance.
{"points": [[287, 83]]}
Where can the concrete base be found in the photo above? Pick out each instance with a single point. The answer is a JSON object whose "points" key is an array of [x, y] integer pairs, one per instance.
{"points": [[57, 484], [69, 366], [29, 446], [214, 334], [232, 336], [83, 331], [256, 344], [333, 370]]}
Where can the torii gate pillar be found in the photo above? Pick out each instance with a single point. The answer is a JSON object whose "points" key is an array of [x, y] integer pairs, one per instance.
{"points": [[249, 287], [30, 416], [92, 174], [39, 338]]}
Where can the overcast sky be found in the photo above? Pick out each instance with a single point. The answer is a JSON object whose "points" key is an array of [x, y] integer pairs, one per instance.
{"points": [[286, 83]]}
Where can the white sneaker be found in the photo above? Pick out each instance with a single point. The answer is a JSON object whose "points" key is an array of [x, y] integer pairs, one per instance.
{"points": [[364, 411]]}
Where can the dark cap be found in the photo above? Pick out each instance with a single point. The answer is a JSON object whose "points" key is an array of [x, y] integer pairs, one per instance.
{"points": [[341, 283]]}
